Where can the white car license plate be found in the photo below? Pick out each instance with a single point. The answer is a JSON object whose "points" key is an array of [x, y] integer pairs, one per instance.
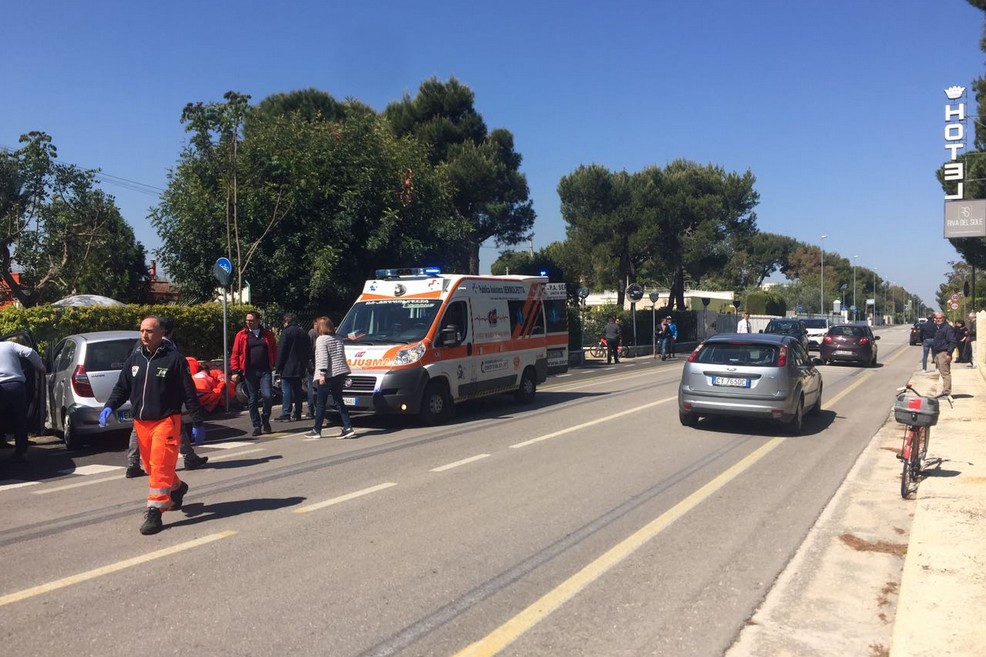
{"points": [[350, 401], [730, 382], [124, 416], [843, 352]]}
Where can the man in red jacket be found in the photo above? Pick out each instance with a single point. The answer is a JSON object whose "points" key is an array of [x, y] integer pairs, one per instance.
{"points": [[253, 358]]}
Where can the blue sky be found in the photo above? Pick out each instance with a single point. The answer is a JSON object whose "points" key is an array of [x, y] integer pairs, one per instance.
{"points": [[836, 107]]}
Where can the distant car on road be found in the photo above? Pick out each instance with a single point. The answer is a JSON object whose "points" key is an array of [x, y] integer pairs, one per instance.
{"points": [[916, 331], [816, 327], [789, 326], [766, 376], [850, 343], [82, 370]]}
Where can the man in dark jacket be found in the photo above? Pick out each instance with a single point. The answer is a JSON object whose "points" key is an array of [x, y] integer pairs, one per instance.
{"points": [[942, 346], [156, 380], [293, 352]]}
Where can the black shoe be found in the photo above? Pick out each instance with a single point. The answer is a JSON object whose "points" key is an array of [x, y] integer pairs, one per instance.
{"points": [[267, 428], [134, 471], [178, 496], [296, 418], [152, 522], [283, 418], [194, 461], [257, 431]]}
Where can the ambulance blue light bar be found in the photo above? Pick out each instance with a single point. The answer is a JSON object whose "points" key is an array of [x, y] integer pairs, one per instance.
{"points": [[408, 271]]}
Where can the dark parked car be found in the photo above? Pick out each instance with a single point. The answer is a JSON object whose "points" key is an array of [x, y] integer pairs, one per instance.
{"points": [[851, 343], [766, 376], [789, 326]]}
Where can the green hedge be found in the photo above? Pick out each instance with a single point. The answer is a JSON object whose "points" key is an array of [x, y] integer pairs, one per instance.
{"points": [[198, 329]]}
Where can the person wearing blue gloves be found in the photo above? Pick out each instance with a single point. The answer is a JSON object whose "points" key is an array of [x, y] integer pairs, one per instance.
{"points": [[156, 380]]}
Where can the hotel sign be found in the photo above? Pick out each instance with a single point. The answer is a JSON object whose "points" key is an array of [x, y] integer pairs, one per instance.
{"points": [[954, 169], [962, 218]]}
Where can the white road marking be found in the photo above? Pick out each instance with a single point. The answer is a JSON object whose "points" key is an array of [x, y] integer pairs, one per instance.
{"points": [[449, 466], [91, 470], [111, 568], [344, 498], [585, 425], [10, 484], [230, 445]]}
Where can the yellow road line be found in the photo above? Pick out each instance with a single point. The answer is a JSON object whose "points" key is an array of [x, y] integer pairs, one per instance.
{"points": [[584, 425], [344, 498], [111, 568], [535, 613]]}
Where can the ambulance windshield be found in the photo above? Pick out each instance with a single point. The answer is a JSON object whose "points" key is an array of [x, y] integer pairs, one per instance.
{"points": [[389, 321]]}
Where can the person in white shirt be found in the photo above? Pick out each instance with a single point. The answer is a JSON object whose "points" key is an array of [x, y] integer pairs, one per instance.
{"points": [[744, 325]]}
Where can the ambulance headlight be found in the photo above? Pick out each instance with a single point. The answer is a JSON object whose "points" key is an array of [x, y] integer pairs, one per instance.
{"points": [[411, 354]]}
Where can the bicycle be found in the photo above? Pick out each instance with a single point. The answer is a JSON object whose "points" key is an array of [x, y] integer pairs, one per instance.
{"points": [[918, 414], [601, 349]]}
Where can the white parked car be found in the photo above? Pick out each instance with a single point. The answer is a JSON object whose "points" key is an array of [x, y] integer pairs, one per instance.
{"points": [[817, 328]]}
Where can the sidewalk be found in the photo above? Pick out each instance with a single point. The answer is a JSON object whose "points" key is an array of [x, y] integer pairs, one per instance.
{"points": [[943, 587], [859, 584]]}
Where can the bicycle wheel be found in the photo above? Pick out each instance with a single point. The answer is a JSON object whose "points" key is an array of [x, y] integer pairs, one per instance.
{"points": [[596, 351]]}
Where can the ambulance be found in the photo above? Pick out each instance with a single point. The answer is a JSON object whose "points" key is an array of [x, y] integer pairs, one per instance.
{"points": [[419, 341]]}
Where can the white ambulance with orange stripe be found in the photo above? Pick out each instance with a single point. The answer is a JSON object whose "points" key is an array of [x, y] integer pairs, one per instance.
{"points": [[419, 341]]}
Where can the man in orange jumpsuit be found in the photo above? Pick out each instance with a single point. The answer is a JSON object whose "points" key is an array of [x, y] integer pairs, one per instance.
{"points": [[156, 380]]}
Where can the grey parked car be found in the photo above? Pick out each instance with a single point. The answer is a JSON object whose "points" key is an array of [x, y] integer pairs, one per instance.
{"points": [[759, 375], [82, 370]]}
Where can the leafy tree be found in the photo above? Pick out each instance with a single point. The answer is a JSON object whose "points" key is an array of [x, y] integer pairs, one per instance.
{"points": [[61, 231], [321, 203], [488, 191]]}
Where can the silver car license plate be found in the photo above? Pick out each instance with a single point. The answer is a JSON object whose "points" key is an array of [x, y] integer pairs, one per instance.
{"points": [[843, 352], [350, 401], [731, 382]]}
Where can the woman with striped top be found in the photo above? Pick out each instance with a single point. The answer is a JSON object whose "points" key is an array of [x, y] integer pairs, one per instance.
{"points": [[330, 374]]}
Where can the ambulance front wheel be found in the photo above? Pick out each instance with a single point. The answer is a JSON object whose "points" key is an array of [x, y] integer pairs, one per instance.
{"points": [[528, 386], [436, 404]]}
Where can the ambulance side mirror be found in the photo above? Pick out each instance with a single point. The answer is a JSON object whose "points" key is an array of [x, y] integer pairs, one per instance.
{"points": [[449, 336]]}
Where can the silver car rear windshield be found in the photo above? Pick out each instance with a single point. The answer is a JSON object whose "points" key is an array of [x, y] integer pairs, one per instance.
{"points": [[753, 355], [109, 355]]}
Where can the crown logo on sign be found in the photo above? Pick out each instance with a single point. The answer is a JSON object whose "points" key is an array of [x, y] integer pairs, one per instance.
{"points": [[954, 93]]}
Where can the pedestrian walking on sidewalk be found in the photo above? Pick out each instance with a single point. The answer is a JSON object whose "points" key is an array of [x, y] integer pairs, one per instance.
{"points": [[942, 346], [968, 349], [928, 330], [157, 381]]}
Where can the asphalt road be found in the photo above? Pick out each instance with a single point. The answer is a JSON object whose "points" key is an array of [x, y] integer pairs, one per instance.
{"points": [[590, 523]]}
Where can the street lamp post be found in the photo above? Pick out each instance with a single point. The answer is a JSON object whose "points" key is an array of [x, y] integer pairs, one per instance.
{"points": [[885, 297], [821, 286], [854, 311]]}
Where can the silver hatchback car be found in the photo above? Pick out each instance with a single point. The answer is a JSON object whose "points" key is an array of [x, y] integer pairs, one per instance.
{"points": [[752, 375], [82, 370]]}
